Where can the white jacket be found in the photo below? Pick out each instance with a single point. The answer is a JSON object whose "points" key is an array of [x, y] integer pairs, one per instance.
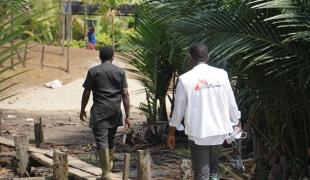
{"points": [[205, 97]]}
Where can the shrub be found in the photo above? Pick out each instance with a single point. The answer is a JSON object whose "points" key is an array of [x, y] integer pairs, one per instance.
{"points": [[103, 39]]}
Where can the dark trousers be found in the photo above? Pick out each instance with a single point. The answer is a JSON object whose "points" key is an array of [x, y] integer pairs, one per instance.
{"points": [[105, 138], [205, 160]]}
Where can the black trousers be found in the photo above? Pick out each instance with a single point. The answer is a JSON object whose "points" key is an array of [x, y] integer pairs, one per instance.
{"points": [[205, 160], [104, 137]]}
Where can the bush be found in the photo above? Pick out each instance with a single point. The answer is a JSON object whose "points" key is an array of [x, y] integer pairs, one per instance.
{"points": [[122, 37], [78, 43], [103, 39]]}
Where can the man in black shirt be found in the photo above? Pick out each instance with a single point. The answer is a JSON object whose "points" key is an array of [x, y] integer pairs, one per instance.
{"points": [[109, 86]]}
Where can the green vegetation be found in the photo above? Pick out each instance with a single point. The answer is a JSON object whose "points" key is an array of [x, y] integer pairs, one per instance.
{"points": [[17, 20], [264, 45]]}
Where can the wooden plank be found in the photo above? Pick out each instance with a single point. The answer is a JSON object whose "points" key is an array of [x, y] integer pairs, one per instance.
{"points": [[22, 148], [60, 165], [42, 159], [6, 142], [8, 154], [77, 167], [34, 178], [73, 172], [79, 164]]}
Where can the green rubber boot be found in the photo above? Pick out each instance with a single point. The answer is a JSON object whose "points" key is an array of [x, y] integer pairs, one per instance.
{"points": [[214, 177], [104, 162], [112, 157]]}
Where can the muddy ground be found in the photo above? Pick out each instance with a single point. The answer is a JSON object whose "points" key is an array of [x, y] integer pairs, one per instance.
{"points": [[59, 110]]}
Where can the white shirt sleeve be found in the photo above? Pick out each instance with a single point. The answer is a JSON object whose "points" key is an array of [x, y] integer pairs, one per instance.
{"points": [[180, 103], [234, 112]]}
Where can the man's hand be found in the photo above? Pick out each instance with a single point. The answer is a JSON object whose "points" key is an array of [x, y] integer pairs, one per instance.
{"points": [[171, 138], [238, 125], [127, 123], [83, 115]]}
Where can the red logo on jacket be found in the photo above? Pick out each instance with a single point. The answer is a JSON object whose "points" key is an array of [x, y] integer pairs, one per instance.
{"points": [[200, 84]]}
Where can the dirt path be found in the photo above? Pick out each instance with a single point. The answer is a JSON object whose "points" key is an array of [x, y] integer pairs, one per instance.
{"points": [[34, 96], [58, 107]]}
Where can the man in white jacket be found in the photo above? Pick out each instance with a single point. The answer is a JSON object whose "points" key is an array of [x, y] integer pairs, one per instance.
{"points": [[205, 99]]}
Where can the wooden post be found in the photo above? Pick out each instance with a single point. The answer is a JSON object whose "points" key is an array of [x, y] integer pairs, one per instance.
{"points": [[85, 23], [25, 54], [12, 41], [126, 166], [18, 54], [22, 156], [69, 33], [185, 169], [113, 13], [60, 165], [63, 25], [42, 56], [1, 119], [38, 134], [85, 16], [144, 165]]}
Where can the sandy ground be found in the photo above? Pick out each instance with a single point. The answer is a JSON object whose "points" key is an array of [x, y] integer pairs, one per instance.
{"points": [[59, 108], [34, 96]]}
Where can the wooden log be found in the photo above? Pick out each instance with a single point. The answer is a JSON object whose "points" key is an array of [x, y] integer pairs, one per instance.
{"points": [[185, 169], [38, 134], [22, 155], [60, 166], [144, 165], [126, 166], [42, 55]]}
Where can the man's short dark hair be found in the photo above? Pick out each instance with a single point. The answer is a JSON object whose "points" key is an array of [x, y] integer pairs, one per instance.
{"points": [[199, 51], [106, 53]]}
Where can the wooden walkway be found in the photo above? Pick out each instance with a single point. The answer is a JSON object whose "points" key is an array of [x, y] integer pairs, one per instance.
{"points": [[77, 168]]}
